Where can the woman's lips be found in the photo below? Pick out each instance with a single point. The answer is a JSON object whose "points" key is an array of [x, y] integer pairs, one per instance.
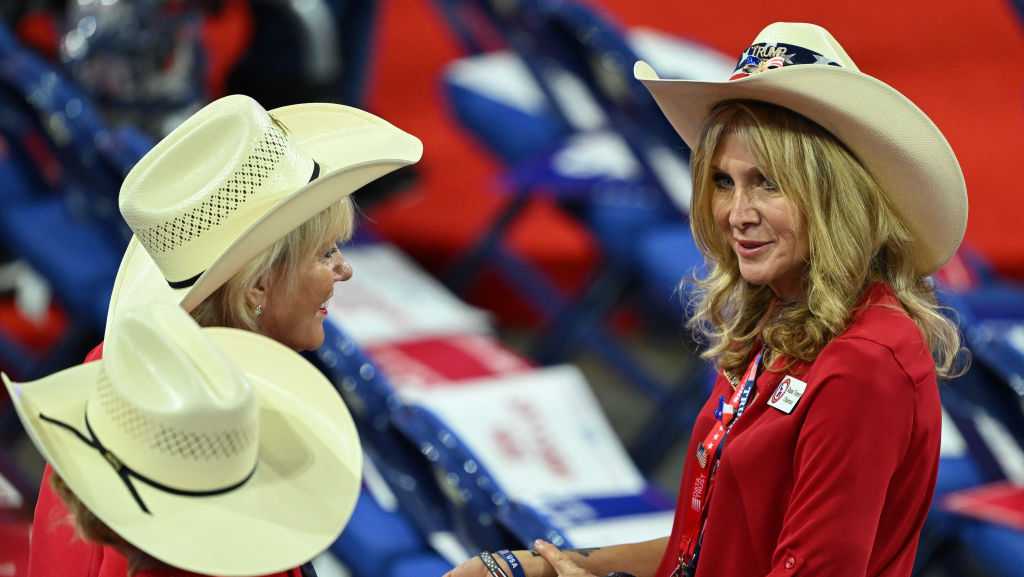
{"points": [[750, 248]]}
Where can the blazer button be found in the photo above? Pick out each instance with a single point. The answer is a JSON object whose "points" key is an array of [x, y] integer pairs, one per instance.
{"points": [[790, 562]]}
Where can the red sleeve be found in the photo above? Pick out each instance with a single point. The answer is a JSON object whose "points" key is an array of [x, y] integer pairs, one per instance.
{"points": [[95, 354], [853, 438], [55, 550]]}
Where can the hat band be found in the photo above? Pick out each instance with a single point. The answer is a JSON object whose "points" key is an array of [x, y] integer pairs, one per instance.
{"points": [[765, 56], [180, 284], [126, 473]]}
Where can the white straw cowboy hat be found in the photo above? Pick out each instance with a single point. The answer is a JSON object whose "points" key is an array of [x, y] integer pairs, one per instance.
{"points": [[228, 182], [803, 68], [216, 450]]}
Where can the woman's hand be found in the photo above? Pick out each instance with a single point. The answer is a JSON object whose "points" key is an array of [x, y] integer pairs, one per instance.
{"points": [[546, 560], [474, 567], [562, 564]]}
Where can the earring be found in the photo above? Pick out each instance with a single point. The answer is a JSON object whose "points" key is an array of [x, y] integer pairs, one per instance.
{"points": [[259, 310]]}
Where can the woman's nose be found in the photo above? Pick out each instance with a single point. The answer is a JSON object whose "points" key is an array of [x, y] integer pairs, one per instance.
{"points": [[342, 270], [742, 212]]}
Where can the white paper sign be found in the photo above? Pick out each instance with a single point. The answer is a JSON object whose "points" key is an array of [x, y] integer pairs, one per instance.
{"points": [[390, 298], [541, 434], [627, 529]]}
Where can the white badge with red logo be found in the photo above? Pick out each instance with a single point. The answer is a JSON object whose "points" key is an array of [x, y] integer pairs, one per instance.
{"points": [[787, 394]]}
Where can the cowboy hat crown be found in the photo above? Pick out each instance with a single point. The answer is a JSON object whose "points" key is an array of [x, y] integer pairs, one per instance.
{"points": [[171, 406], [223, 167]]}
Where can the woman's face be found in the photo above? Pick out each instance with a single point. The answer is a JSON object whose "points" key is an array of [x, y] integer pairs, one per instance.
{"points": [[761, 225], [296, 318]]}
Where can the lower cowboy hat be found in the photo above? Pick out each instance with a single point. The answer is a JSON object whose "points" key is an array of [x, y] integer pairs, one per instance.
{"points": [[217, 451], [229, 182], [803, 68]]}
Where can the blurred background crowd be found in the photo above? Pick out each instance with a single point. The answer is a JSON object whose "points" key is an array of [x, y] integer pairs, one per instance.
{"points": [[513, 344]]}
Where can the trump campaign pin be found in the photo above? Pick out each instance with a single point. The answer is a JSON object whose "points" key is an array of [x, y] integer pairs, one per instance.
{"points": [[787, 394]]}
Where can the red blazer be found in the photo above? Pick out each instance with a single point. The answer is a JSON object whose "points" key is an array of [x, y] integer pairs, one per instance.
{"points": [[56, 551], [840, 486]]}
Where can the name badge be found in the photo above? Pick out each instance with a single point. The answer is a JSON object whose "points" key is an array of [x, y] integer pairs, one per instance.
{"points": [[787, 394]]}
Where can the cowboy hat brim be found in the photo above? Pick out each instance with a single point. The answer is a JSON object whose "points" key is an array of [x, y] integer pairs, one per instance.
{"points": [[899, 145], [294, 506], [352, 147]]}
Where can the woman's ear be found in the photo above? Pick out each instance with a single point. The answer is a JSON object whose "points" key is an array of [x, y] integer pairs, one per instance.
{"points": [[256, 295]]}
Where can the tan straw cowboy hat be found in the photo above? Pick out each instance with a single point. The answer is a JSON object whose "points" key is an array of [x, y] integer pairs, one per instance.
{"points": [[803, 68], [228, 183], [216, 450]]}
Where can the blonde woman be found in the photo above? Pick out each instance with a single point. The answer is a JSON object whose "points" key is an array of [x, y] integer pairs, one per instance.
{"points": [[822, 200], [238, 215]]}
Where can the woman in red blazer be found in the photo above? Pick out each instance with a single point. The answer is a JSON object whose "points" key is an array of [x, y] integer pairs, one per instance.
{"points": [[237, 216], [822, 199]]}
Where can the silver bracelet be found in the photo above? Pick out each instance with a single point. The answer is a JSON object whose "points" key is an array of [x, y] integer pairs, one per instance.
{"points": [[492, 566]]}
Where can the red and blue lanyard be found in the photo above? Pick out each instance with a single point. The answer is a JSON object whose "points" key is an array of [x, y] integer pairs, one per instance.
{"points": [[708, 456]]}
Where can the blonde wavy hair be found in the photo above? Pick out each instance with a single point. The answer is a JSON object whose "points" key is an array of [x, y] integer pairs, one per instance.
{"points": [[226, 307], [854, 235]]}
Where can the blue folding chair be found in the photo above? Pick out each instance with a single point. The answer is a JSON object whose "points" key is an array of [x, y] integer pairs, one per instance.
{"points": [[68, 227], [420, 565], [499, 96], [15, 358], [647, 188], [485, 516], [76, 133], [74, 256], [979, 289], [371, 400], [438, 484], [375, 539], [984, 407]]}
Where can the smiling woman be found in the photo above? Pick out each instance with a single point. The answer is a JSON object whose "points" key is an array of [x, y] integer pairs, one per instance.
{"points": [[764, 228], [283, 292], [822, 200], [791, 220]]}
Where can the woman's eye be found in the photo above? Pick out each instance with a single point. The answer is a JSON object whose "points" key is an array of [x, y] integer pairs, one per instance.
{"points": [[722, 180], [768, 184], [331, 252]]}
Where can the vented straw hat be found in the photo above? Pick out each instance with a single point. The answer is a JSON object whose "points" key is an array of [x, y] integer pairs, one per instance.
{"points": [[228, 183], [217, 451], [803, 68]]}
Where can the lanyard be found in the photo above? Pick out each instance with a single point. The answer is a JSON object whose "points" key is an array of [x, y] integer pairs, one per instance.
{"points": [[707, 456]]}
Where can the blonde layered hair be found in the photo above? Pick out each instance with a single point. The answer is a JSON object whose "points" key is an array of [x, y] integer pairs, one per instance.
{"points": [[854, 235]]}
